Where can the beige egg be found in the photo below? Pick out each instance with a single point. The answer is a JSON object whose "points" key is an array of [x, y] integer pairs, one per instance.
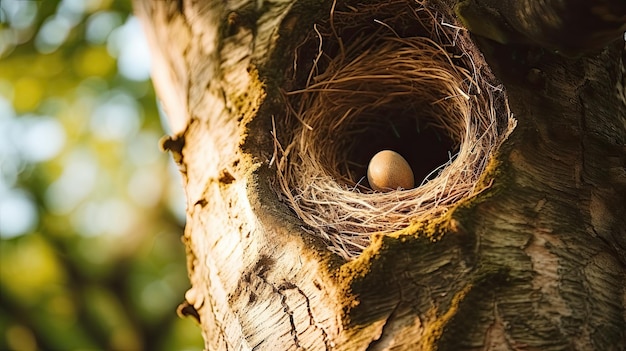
{"points": [[388, 170]]}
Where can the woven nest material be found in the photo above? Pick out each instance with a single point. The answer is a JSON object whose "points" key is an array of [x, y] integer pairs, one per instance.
{"points": [[390, 76]]}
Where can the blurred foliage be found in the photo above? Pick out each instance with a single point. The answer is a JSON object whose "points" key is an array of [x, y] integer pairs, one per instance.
{"points": [[91, 213]]}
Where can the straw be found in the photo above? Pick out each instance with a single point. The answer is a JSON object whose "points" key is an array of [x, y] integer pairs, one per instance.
{"points": [[372, 72]]}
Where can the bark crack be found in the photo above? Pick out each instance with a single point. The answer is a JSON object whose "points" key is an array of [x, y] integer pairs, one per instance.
{"points": [[283, 301], [312, 320], [286, 309], [261, 269]]}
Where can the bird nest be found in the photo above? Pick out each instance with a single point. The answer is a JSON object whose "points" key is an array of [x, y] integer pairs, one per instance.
{"points": [[397, 76]]}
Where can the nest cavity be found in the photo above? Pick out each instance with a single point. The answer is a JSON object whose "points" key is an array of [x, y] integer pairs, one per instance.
{"points": [[397, 76]]}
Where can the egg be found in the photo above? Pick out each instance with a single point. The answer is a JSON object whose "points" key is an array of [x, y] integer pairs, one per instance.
{"points": [[388, 170]]}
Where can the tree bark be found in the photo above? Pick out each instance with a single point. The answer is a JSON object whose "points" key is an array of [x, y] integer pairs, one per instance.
{"points": [[535, 262]]}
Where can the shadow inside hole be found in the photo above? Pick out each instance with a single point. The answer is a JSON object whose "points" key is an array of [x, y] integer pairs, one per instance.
{"points": [[425, 147]]}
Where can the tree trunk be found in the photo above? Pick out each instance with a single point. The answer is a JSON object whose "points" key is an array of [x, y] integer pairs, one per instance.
{"points": [[536, 261]]}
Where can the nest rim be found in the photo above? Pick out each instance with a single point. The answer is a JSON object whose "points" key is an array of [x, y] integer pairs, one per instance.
{"points": [[433, 72]]}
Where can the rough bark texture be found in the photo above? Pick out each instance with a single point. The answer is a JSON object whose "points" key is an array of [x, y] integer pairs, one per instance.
{"points": [[536, 262]]}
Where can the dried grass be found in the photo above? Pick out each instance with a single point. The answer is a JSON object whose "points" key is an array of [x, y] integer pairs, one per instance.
{"points": [[368, 74]]}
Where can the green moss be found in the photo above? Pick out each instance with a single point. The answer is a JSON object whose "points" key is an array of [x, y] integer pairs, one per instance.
{"points": [[248, 103], [435, 329]]}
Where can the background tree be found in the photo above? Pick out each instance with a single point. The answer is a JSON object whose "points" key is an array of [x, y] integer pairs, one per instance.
{"points": [[532, 261], [90, 255]]}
